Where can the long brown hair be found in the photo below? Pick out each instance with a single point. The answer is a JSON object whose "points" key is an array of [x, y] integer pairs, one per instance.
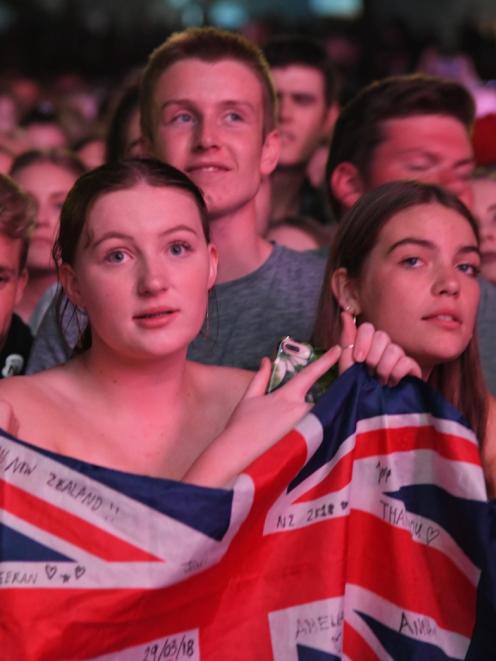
{"points": [[460, 380]]}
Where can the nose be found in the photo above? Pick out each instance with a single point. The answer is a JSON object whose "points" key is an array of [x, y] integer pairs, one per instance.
{"points": [[457, 185], [42, 215], [152, 277], [284, 110], [446, 281], [487, 231], [206, 134]]}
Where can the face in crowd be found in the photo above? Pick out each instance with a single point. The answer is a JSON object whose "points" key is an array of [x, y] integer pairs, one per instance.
{"points": [[484, 191], [304, 117], [402, 128], [209, 122], [139, 263], [48, 184], [419, 283], [433, 149]]}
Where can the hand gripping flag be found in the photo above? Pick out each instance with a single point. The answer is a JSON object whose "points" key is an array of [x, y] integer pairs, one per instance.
{"points": [[363, 534]]}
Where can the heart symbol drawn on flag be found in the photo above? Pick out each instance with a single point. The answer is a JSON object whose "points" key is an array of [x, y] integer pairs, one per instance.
{"points": [[50, 570], [344, 504], [431, 534], [79, 571]]}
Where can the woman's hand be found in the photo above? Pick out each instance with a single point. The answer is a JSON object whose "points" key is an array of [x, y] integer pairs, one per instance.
{"points": [[364, 344], [258, 421]]}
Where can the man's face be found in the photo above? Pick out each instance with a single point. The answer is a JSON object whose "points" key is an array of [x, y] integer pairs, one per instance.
{"points": [[303, 116], [12, 282], [208, 121], [433, 149]]}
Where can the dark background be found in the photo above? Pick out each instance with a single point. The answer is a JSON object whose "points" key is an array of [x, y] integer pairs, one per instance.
{"points": [[101, 38]]}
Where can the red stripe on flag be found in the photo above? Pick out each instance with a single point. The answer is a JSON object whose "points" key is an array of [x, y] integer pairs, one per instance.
{"points": [[337, 479], [404, 439], [356, 647], [69, 527], [281, 462]]}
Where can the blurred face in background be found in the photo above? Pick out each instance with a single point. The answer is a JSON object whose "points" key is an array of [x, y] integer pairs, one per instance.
{"points": [[432, 149], [304, 119], [48, 184], [484, 191]]}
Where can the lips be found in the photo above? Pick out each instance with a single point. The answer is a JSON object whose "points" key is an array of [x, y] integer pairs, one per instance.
{"points": [[444, 318], [206, 166], [155, 313]]}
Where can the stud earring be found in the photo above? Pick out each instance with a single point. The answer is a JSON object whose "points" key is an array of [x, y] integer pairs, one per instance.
{"points": [[349, 309]]}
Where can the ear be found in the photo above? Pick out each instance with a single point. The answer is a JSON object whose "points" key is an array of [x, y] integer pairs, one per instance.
{"points": [[146, 148], [70, 284], [22, 281], [271, 149], [214, 261], [330, 118], [345, 292], [346, 184]]}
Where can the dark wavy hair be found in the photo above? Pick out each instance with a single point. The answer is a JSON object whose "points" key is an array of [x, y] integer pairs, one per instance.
{"points": [[460, 380]]}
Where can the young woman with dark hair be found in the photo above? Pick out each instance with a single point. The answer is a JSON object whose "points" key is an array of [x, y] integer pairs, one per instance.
{"points": [[405, 258], [133, 251]]}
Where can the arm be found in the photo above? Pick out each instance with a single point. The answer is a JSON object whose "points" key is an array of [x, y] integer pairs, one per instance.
{"points": [[260, 419]]}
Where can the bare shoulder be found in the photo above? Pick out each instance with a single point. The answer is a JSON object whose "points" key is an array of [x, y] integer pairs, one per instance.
{"points": [[30, 403], [19, 389], [226, 384]]}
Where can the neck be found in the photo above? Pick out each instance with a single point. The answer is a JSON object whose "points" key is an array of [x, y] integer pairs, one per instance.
{"points": [[38, 283], [241, 249], [156, 385], [286, 185]]}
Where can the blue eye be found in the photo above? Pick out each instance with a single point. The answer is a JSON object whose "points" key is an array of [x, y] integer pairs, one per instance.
{"points": [[116, 257], [182, 118], [411, 261], [234, 117], [470, 269], [179, 248]]}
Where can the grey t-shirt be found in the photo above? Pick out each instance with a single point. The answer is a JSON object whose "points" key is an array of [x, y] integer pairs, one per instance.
{"points": [[247, 317], [487, 332]]}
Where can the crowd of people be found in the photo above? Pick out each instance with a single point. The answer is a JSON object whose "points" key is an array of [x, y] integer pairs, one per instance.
{"points": [[152, 272]]}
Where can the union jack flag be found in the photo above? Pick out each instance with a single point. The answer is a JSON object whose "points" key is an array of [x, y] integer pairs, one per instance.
{"points": [[363, 534]]}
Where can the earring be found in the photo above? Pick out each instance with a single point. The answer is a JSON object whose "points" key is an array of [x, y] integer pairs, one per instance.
{"points": [[349, 309]]}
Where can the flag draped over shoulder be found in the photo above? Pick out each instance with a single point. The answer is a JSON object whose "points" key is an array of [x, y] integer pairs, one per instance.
{"points": [[362, 534]]}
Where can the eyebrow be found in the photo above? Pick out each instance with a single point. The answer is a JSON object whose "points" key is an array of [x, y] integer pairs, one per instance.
{"points": [[193, 104], [423, 243], [122, 235]]}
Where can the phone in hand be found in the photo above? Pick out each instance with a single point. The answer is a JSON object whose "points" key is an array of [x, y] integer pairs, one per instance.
{"points": [[291, 357]]}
